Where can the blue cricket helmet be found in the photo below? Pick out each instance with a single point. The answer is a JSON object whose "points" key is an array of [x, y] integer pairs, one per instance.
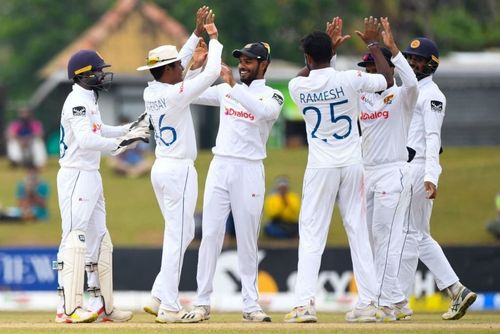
{"points": [[85, 61]]}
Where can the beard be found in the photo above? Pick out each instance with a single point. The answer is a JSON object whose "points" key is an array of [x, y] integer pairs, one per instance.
{"points": [[248, 77]]}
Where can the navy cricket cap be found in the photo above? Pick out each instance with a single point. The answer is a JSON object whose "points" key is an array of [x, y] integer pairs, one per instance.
{"points": [[423, 47], [368, 58], [259, 50], [85, 61]]}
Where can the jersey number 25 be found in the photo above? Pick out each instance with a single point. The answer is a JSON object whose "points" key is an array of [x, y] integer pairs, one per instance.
{"points": [[333, 120]]}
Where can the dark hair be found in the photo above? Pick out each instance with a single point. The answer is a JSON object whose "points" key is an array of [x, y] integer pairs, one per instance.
{"points": [[157, 72], [318, 45]]}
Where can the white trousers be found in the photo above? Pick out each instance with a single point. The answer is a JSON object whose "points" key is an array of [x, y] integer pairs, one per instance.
{"points": [[388, 189], [81, 202], [419, 242], [175, 183], [235, 185], [322, 188]]}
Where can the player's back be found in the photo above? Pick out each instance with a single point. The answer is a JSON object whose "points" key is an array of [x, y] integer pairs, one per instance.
{"points": [[172, 121], [329, 103]]}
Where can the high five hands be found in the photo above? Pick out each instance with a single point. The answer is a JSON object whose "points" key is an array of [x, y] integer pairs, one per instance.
{"points": [[334, 30], [371, 34]]}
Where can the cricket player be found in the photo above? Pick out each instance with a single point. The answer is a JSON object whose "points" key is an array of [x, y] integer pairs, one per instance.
{"points": [[329, 102], [424, 143], [385, 119], [235, 180], [174, 177], [86, 244]]}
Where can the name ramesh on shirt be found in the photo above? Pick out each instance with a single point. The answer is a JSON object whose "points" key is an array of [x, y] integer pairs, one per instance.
{"points": [[331, 94]]}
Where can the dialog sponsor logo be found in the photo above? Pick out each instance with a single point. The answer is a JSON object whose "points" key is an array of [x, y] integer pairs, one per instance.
{"points": [[374, 115], [239, 114]]}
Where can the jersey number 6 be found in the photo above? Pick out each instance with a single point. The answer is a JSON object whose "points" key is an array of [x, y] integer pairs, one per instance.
{"points": [[333, 120], [166, 128]]}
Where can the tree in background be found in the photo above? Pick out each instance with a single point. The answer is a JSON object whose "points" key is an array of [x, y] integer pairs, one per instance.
{"points": [[33, 31]]}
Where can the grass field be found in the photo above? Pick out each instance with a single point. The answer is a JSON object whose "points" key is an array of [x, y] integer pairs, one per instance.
{"points": [[470, 180], [229, 323]]}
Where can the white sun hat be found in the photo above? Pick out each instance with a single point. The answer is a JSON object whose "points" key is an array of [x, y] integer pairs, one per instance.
{"points": [[162, 55]]}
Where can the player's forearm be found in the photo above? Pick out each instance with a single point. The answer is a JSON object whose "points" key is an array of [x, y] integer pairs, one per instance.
{"points": [[268, 108], [432, 167], [94, 142], [193, 88], [186, 52], [110, 131]]}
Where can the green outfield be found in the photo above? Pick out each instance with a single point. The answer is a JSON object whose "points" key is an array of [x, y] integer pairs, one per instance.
{"points": [[470, 180], [229, 323]]}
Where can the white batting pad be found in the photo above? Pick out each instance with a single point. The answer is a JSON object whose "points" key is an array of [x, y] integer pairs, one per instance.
{"points": [[73, 267], [105, 270]]}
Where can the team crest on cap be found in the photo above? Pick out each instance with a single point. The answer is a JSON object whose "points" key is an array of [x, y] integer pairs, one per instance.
{"points": [[415, 44]]}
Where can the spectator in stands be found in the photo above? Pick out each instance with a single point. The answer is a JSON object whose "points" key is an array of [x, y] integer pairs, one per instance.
{"points": [[282, 208], [25, 144], [494, 226], [133, 162], [32, 194]]}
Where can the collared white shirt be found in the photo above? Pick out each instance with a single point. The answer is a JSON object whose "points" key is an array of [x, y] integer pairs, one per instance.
{"points": [[329, 102], [168, 108], [82, 133], [425, 129], [247, 114], [385, 117]]}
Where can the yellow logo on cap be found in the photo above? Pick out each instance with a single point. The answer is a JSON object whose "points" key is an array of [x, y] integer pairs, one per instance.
{"points": [[436, 59], [415, 44], [83, 69]]}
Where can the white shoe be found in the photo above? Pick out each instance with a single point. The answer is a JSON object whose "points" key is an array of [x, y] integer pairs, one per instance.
{"points": [[302, 314], [153, 306], [78, 316], [386, 314], [115, 316], [166, 316], [200, 313], [256, 316], [402, 311], [459, 304], [368, 313]]}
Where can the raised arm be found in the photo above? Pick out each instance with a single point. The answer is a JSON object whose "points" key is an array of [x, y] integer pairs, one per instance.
{"points": [[190, 89], [403, 69], [334, 30], [186, 52], [371, 37]]}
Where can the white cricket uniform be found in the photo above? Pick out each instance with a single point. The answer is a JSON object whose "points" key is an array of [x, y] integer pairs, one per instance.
{"points": [[425, 138], [173, 175], [236, 181], [385, 119], [329, 102], [79, 183]]}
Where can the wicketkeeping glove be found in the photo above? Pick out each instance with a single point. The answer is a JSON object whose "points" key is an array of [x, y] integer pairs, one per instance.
{"points": [[131, 139], [142, 122]]}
